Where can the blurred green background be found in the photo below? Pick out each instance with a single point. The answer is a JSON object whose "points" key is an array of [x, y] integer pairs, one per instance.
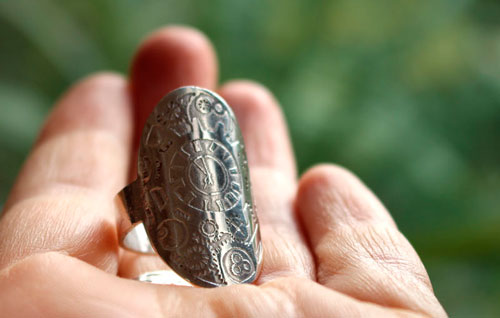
{"points": [[404, 93]]}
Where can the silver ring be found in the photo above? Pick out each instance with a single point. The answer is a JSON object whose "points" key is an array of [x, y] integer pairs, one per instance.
{"points": [[192, 202]]}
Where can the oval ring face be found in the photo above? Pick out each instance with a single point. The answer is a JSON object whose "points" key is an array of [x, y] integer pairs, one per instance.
{"points": [[199, 213]]}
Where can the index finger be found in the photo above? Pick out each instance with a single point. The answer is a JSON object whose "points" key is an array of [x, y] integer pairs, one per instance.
{"points": [[62, 200]]}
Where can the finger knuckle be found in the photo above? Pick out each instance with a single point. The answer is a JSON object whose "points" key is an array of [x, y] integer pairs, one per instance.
{"points": [[325, 175], [187, 40]]}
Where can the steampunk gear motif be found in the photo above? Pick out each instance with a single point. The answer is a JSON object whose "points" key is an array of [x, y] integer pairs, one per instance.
{"points": [[194, 184]]}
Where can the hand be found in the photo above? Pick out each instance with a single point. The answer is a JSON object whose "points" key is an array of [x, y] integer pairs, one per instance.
{"points": [[330, 247]]}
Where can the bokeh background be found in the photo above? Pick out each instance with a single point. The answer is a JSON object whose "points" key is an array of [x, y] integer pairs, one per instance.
{"points": [[406, 93]]}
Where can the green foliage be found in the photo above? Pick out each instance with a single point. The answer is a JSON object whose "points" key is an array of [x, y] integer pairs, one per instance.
{"points": [[404, 93]]}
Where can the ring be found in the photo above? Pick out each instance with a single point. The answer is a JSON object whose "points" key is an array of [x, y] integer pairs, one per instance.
{"points": [[191, 202]]}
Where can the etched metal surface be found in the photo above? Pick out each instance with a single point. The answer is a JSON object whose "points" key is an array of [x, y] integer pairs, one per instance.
{"points": [[195, 191]]}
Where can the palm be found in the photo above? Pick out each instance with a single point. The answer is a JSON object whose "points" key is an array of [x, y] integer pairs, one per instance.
{"points": [[330, 247]]}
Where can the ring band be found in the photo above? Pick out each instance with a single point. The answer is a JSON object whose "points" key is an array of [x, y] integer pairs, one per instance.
{"points": [[192, 202]]}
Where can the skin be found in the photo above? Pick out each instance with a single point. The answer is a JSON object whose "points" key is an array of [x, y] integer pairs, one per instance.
{"points": [[331, 249]]}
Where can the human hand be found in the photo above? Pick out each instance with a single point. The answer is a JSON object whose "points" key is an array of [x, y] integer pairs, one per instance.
{"points": [[330, 247]]}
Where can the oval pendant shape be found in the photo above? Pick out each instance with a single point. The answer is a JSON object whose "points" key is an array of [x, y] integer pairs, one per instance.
{"points": [[196, 197]]}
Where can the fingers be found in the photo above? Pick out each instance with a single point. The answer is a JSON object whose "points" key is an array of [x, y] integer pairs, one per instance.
{"points": [[358, 248], [272, 169], [55, 285], [83, 142], [169, 58], [262, 125], [62, 198], [285, 252]]}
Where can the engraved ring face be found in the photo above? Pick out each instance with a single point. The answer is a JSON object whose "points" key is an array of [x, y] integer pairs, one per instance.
{"points": [[195, 199]]}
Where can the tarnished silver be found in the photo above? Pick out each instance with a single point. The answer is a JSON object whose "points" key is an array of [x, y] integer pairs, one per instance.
{"points": [[192, 194]]}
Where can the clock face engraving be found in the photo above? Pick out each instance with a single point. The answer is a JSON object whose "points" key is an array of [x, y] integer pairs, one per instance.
{"points": [[204, 175], [207, 174]]}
